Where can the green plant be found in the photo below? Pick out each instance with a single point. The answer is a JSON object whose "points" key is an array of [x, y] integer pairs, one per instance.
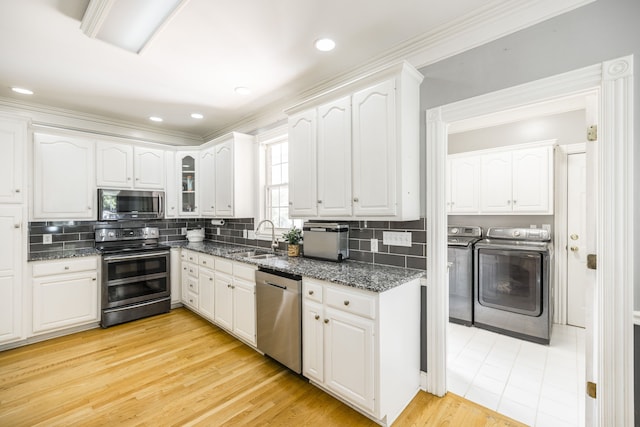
{"points": [[293, 236]]}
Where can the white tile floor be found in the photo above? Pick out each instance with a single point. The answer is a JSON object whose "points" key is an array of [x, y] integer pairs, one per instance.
{"points": [[538, 385]]}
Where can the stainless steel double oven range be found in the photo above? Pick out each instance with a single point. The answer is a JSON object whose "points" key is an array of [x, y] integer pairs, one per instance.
{"points": [[135, 274]]}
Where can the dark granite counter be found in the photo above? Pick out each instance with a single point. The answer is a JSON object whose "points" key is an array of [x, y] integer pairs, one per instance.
{"points": [[370, 277], [61, 254]]}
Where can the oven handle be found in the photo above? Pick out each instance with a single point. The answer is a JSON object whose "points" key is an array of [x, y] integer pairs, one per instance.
{"points": [[136, 256]]}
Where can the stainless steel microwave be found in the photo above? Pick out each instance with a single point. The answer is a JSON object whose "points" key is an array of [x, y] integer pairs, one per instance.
{"points": [[116, 205]]}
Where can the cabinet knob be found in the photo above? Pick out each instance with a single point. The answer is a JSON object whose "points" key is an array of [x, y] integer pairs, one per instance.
{"points": [[514, 202], [94, 279], [128, 178], [310, 292], [211, 279], [229, 206], [574, 249], [173, 207], [319, 201], [88, 208], [317, 316], [17, 190], [66, 267], [16, 225], [356, 200], [204, 262], [574, 237], [211, 207], [326, 320], [229, 286], [290, 203], [346, 302], [508, 202]]}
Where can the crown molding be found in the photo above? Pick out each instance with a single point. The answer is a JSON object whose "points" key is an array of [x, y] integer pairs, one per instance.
{"points": [[495, 19], [46, 116]]}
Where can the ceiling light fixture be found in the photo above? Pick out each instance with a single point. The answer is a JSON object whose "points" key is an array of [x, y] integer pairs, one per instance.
{"points": [[22, 90], [130, 25], [325, 44], [241, 90], [155, 119], [196, 116]]}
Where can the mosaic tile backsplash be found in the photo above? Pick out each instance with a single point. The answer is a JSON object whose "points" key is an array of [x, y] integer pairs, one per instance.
{"points": [[80, 234]]}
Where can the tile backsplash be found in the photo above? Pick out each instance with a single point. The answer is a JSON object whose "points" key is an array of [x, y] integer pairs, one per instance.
{"points": [[80, 234]]}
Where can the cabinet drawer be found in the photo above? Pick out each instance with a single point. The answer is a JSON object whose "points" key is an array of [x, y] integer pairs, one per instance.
{"points": [[192, 285], [362, 305], [207, 261], [189, 256], [224, 266], [244, 271], [312, 291], [46, 268], [191, 300], [192, 269]]}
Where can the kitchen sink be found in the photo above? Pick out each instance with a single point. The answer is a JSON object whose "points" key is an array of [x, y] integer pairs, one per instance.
{"points": [[256, 254]]}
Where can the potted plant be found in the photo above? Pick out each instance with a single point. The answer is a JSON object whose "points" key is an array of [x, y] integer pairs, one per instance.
{"points": [[293, 237]]}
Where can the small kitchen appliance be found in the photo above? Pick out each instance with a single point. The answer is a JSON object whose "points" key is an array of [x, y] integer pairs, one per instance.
{"points": [[326, 240], [116, 205]]}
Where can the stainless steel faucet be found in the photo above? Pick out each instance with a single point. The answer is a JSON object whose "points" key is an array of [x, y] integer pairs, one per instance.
{"points": [[274, 244]]}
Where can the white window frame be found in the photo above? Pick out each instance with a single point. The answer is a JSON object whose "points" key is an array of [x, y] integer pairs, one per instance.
{"points": [[275, 135]]}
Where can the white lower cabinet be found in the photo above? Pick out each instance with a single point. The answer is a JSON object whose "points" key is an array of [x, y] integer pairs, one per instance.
{"points": [[350, 345], [222, 291], [65, 293], [11, 262]]}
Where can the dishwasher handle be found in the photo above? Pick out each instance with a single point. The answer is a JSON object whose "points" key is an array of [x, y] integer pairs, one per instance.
{"points": [[281, 282], [273, 284]]}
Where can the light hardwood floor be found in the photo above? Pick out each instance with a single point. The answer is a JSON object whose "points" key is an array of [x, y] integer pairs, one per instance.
{"points": [[179, 370]]}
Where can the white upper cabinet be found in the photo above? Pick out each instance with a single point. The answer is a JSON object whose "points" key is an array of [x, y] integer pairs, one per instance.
{"points": [[302, 165], [374, 151], [502, 181], [126, 166], [227, 177], [148, 168], [357, 156], [13, 138], [334, 158], [188, 170], [463, 186], [171, 185], [63, 178]]}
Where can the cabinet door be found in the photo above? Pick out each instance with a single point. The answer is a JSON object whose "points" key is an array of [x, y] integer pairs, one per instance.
{"points": [[206, 293], [312, 341], [13, 137], [189, 181], [533, 180], [171, 186], [64, 178], [244, 309], [207, 182], [334, 158], [114, 165], [496, 183], [302, 165], [374, 151], [464, 185], [349, 356], [61, 301], [10, 273], [223, 301], [176, 279], [223, 180], [149, 168]]}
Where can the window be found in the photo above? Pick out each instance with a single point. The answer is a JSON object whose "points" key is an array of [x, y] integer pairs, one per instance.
{"points": [[275, 180]]}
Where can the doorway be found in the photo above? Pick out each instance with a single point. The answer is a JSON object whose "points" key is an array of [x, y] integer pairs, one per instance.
{"points": [[612, 336], [576, 238]]}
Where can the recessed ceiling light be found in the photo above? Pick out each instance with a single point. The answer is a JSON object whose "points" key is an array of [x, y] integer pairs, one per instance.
{"points": [[325, 45], [241, 90], [22, 90], [197, 115], [155, 119]]}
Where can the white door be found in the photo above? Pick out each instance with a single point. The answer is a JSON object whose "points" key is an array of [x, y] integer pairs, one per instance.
{"points": [[495, 182], [244, 309], [207, 182], [532, 180], [464, 184], [576, 238], [149, 168], [13, 136], [114, 165], [374, 151], [302, 165], [223, 179], [334, 158]]}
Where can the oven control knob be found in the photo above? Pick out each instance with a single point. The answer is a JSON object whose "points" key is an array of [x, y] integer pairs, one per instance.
{"points": [[454, 231], [111, 234], [516, 233]]}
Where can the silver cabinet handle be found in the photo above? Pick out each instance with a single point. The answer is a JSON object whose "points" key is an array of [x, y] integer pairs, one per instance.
{"points": [[574, 237], [228, 206], [128, 178]]}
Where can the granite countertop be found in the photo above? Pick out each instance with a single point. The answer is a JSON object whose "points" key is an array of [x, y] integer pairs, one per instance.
{"points": [[61, 254], [370, 277]]}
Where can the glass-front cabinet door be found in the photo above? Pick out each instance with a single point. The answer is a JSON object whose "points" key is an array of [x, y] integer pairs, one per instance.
{"points": [[187, 164]]}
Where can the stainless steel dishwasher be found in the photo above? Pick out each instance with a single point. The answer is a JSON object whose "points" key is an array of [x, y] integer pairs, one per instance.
{"points": [[279, 318]]}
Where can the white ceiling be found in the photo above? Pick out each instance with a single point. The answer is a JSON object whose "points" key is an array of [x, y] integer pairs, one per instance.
{"points": [[206, 50]]}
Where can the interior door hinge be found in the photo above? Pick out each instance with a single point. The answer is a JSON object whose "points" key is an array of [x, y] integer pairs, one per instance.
{"points": [[592, 133], [591, 389], [592, 261]]}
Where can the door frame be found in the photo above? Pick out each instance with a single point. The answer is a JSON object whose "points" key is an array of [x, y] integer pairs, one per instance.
{"points": [[613, 305]]}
